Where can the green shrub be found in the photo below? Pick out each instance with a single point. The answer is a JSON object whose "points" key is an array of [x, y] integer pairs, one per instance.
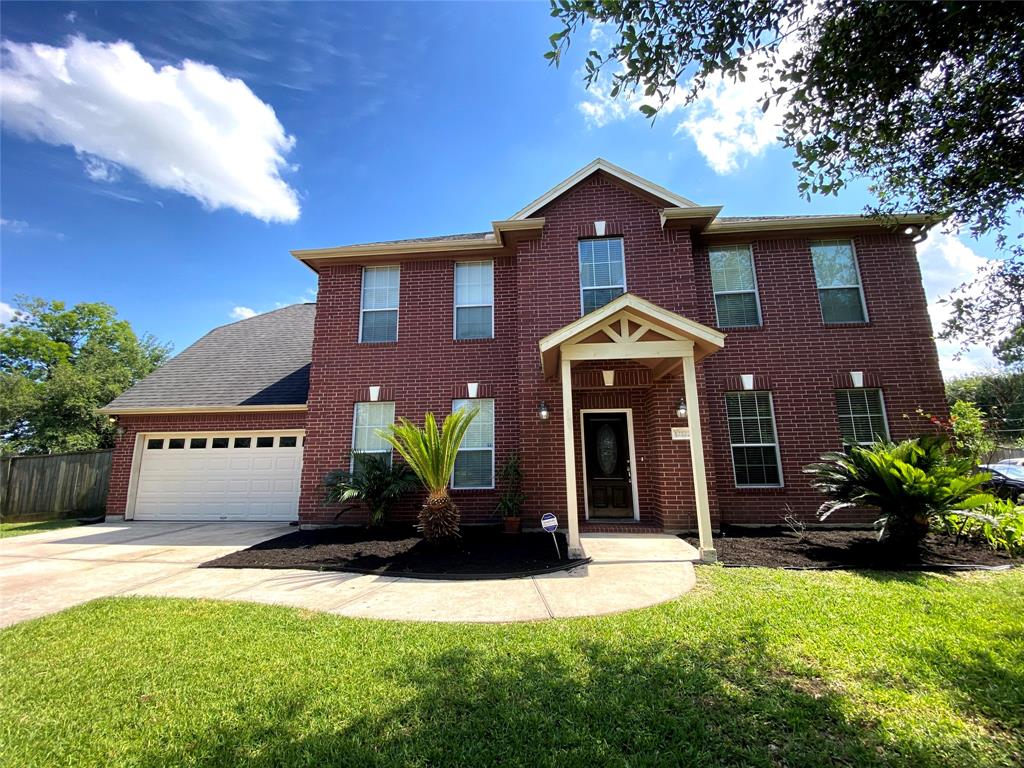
{"points": [[375, 481], [911, 483], [971, 431], [1000, 523]]}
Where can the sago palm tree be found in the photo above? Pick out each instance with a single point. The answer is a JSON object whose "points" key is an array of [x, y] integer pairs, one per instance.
{"points": [[911, 483], [431, 453]]}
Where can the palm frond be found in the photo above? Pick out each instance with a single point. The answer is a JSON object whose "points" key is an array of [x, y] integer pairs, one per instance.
{"points": [[430, 451]]}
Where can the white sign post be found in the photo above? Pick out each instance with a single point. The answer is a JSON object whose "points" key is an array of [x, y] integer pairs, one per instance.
{"points": [[550, 524]]}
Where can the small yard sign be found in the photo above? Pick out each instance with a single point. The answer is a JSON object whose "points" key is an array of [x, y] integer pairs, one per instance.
{"points": [[550, 524]]}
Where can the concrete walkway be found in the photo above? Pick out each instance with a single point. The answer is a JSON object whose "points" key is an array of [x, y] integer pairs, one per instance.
{"points": [[48, 572]]}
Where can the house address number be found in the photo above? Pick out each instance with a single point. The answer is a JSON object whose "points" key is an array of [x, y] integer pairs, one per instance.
{"points": [[680, 433]]}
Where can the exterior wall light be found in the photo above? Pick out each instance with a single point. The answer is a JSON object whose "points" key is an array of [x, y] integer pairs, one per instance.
{"points": [[681, 408], [543, 412]]}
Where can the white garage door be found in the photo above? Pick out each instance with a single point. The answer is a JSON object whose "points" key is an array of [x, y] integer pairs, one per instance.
{"points": [[199, 476]]}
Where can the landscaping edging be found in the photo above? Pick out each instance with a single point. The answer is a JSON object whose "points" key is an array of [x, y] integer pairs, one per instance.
{"points": [[923, 568], [568, 566]]}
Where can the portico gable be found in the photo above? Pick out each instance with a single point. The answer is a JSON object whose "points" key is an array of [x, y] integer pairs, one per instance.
{"points": [[631, 328]]}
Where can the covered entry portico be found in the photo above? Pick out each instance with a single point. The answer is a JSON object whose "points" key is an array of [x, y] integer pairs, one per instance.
{"points": [[632, 329]]}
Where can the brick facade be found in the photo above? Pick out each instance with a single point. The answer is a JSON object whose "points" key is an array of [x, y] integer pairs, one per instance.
{"points": [[793, 354]]}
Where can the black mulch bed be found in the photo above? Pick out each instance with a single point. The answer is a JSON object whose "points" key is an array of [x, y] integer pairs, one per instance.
{"points": [[782, 548], [480, 553]]}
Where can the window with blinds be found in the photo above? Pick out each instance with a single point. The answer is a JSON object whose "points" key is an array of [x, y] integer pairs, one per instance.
{"points": [[369, 417], [379, 313], [602, 272], [474, 464], [861, 416], [474, 300], [755, 448], [735, 287]]}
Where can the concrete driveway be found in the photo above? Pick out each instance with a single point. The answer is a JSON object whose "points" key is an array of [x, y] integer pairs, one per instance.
{"points": [[48, 572]]}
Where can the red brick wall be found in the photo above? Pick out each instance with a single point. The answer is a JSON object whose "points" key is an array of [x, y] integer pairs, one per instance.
{"points": [[120, 472], [793, 354], [424, 370]]}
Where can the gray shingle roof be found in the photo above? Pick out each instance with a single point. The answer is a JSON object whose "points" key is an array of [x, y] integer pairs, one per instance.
{"points": [[260, 361]]}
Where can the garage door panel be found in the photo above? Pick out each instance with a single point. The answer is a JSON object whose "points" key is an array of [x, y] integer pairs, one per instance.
{"points": [[205, 483]]}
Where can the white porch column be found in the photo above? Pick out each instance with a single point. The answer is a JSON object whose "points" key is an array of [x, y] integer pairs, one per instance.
{"points": [[575, 547], [700, 482]]}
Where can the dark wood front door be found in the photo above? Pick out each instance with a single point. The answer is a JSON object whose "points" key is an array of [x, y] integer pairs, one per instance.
{"points": [[609, 483]]}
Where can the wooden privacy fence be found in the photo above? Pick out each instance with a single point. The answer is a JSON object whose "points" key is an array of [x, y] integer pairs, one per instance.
{"points": [[54, 486]]}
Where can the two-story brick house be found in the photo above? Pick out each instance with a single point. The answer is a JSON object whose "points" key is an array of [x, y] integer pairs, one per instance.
{"points": [[656, 366]]}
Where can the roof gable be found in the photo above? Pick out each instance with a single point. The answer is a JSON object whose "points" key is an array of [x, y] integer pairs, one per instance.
{"points": [[621, 175]]}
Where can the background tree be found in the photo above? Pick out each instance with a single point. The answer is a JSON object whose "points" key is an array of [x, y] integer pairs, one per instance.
{"points": [[924, 99], [999, 394], [58, 366]]}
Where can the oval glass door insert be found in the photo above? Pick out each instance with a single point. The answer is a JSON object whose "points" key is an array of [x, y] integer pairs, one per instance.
{"points": [[607, 449]]}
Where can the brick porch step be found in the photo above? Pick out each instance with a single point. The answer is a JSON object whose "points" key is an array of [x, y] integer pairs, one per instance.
{"points": [[594, 527]]}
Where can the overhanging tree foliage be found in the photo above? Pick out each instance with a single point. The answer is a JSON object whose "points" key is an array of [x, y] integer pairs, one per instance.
{"points": [[924, 99], [58, 365]]}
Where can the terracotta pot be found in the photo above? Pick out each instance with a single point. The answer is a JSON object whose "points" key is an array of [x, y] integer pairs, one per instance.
{"points": [[512, 524]]}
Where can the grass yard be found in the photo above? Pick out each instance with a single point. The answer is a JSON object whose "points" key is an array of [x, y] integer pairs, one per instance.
{"points": [[754, 668], [20, 529]]}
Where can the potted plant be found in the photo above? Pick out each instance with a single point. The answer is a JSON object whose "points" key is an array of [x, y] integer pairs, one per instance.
{"points": [[510, 505], [375, 481], [431, 453]]}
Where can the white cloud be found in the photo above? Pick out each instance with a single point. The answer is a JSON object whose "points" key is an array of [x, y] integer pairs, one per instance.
{"points": [[98, 169], [6, 312], [71, 17], [946, 262], [726, 122], [243, 313], [19, 227], [187, 128], [14, 225]]}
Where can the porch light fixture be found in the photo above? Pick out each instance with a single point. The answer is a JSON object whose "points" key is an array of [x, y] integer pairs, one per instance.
{"points": [[681, 408], [543, 411]]}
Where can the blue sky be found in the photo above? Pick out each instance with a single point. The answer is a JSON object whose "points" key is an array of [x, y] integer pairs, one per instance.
{"points": [[175, 190]]}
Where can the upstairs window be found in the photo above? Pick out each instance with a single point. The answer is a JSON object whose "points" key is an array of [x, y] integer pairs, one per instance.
{"points": [[474, 300], [474, 464], [839, 288], [370, 417], [379, 314], [755, 448], [735, 287], [861, 416], [602, 272]]}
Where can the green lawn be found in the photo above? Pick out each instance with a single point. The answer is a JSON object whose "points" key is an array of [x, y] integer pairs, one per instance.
{"points": [[754, 668], [20, 529]]}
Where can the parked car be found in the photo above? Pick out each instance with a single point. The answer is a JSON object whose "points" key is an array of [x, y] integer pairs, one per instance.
{"points": [[1018, 461], [1007, 480]]}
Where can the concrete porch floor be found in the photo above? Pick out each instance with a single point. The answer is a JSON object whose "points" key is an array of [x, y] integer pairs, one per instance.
{"points": [[48, 572]]}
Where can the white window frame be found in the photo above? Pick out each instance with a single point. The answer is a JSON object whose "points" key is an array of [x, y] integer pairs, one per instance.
{"points": [[355, 412], [859, 286], [493, 448], [579, 266], [775, 430], [457, 306], [395, 309], [884, 414], [756, 290]]}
